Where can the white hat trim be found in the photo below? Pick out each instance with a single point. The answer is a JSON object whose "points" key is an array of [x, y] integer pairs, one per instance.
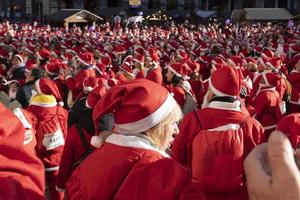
{"points": [[174, 71], [149, 121], [134, 142], [20, 58], [218, 92]]}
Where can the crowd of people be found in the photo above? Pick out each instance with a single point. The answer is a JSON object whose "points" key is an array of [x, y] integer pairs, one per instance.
{"points": [[179, 112]]}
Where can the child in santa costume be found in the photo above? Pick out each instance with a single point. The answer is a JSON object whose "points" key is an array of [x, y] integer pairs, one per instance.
{"points": [[132, 163], [21, 172], [51, 129], [214, 140], [268, 104]]}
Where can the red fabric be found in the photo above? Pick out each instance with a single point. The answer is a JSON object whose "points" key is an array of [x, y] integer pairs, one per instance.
{"points": [[60, 83], [133, 173], [290, 126], [21, 173], [294, 79], [178, 93], [155, 75], [73, 149], [196, 86], [189, 127], [266, 104], [49, 119]]}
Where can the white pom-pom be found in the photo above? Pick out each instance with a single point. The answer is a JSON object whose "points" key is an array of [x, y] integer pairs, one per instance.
{"points": [[97, 141], [88, 89], [61, 104]]}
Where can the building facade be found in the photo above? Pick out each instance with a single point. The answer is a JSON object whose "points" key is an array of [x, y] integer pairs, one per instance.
{"points": [[39, 9]]}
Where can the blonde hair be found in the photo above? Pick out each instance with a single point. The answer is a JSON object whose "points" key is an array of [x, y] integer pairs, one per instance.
{"points": [[156, 133]]}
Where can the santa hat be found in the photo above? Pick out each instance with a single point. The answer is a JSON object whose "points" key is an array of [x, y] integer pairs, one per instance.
{"points": [[86, 58], [48, 87], [30, 66], [179, 70], [53, 68], [43, 54], [131, 114], [290, 126], [235, 61], [153, 55], [126, 66], [94, 96], [225, 81], [271, 79], [252, 61], [139, 59], [182, 55], [294, 60], [89, 84], [20, 58], [4, 54], [274, 63], [267, 53]]}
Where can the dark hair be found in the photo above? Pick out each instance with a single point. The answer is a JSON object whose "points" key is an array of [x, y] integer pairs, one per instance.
{"points": [[37, 73], [176, 80]]}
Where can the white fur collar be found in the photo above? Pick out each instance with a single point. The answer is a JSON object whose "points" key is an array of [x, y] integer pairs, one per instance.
{"points": [[234, 106], [134, 142]]}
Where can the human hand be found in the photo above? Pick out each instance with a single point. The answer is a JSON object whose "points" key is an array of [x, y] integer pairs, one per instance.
{"points": [[271, 170]]}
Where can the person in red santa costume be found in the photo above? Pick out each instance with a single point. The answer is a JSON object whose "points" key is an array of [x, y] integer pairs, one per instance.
{"points": [[294, 79], [21, 172], [267, 103], [140, 168], [51, 129], [290, 126], [180, 87], [214, 140], [77, 146], [153, 70]]}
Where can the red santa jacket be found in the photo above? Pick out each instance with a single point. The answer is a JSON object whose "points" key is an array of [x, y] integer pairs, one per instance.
{"points": [[136, 170], [214, 116], [60, 83], [21, 172], [267, 106], [72, 152], [294, 79], [217, 116], [154, 74], [51, 130], [75, 83]]}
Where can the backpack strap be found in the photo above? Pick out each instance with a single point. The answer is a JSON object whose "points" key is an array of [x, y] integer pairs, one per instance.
{"points": [[82, 138], [197, 117]]}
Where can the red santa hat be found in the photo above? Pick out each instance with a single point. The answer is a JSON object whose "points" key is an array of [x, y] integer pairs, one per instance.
{"points": [[126, 66], [4, 54], [271, 79], [225, 81], [290, 126], [235, 61], [53, 68], [43, 54], [274, 63], [139, 59], [86, 58], [131, 114], [294, 60], [267, 54], [179, 70], [94, 96], [20, 58], [251, 60], [48, 87], [89, 84]]}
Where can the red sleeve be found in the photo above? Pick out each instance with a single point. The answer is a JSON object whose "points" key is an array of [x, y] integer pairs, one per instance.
{"points": [[70, 82], [67, 159], [181, 149]]}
